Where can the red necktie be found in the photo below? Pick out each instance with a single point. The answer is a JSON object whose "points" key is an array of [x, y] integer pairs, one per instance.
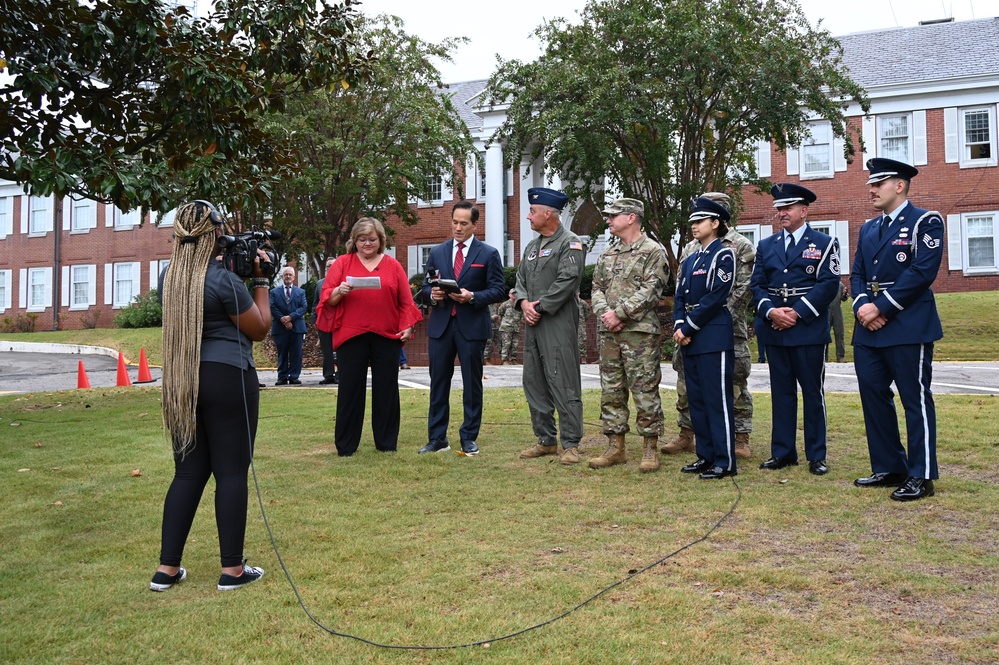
{"points": [[287, 293], [459, 261]]}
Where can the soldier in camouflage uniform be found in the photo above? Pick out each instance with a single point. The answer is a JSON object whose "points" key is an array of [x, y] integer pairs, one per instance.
{"points": [[547, 280], [511, 321], [584, 313], [493, 342], [627, 283], [738, 302]]}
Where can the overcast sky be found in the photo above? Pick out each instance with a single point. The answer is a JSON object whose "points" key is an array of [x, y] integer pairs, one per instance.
{"points": [[505, 27]]}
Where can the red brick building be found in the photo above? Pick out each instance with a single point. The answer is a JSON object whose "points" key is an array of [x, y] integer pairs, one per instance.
{"points": [[934, 93]]}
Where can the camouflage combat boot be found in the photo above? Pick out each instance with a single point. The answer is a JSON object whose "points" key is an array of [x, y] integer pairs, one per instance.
{"points": [[742, 445], [684, 441], [615, 453], [538, 450], [650, 454]]}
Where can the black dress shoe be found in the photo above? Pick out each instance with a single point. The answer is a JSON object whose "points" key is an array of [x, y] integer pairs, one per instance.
{"points": [[697, 467], [881, 480], [775, 463], [818, 467], [468, 448], [281, 383], [716, 472], [434, 447], [326, 382], [914, 488], [295, 382]]}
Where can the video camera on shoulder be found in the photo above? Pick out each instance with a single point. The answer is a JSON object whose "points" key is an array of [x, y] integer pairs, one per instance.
{"points": [[240, 250]]}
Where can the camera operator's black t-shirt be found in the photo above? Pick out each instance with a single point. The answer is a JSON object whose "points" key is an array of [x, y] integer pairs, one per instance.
{"points": [[225, 296]]}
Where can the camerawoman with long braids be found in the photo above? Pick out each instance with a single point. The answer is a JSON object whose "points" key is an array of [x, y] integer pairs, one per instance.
{"points": [[211, 393]]}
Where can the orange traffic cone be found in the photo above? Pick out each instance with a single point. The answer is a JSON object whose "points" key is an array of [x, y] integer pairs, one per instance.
{"points": [[144, 375], [81, 378], [123, 379]]}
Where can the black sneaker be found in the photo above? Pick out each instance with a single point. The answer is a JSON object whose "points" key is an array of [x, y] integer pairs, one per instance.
{"points": [[163, 581], [468, 448], [250, 575], [434, 447]]}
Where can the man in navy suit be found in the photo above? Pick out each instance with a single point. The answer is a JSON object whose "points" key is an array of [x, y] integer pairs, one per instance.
{"points": [[796, 276], [288, 308], [897, 258], [460, 323]]}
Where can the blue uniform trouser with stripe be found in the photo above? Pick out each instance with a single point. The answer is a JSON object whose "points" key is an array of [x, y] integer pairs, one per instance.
{"points": [[790, 367], [711, 398], [910, 367]]}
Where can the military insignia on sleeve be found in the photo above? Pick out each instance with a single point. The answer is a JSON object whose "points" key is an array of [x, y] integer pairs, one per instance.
{"points": [[901, 257], [809, 269], [576, 245], [724, 275], [931, 243], [834, 265]]}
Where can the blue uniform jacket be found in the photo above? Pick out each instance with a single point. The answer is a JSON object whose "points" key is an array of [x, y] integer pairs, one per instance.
{"points": [[895, 273], [807, 282], [482, 274], [699, 310], [281, 307]]}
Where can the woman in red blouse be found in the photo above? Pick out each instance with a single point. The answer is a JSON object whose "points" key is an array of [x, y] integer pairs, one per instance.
{"points": [[368, 298]]}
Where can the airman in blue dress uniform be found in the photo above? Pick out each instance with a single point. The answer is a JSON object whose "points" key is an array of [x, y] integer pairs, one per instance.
{"points": [[703, 331], [796, 277], [897, 258]]}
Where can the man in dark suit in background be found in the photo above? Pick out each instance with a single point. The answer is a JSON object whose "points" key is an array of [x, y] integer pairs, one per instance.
{"points": [[459, 325], [898, 256], [288, 308]]}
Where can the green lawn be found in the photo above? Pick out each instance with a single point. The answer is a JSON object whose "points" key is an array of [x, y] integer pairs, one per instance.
{"points": [[415, 550]]}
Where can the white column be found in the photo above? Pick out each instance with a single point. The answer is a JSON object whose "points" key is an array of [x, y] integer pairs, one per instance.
{"points": [[495, 194]]}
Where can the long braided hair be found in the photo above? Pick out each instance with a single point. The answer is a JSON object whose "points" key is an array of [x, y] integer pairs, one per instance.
{"points": [[183, 317]]}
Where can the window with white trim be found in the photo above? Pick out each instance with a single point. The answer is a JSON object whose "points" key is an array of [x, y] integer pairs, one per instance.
{"points": [[6, 278], [895, 137], [126, 284], [435, 185], [980, 242], [750, 232], [38, 288], [6, 216], [422, 256], [168, 217], [817, 151], [480, 177], [82, 215], [127, 220], [978, 135], [39, 215], [81, 286]]}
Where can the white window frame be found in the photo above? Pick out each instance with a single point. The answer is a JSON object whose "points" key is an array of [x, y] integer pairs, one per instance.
{"points": [[82, 215], [882, 136], [85, 275], [39, 216], [966, 160], [958, 235], [126, 221], [168, 218], [135, 281], [828, 150], [6, 283], [38, 282], [841, 231], [752, 232], [6, 216]]}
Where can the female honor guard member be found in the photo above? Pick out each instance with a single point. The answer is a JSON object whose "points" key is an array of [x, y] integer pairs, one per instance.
{"points": [[703, 331], [795, 279], [897, 259]]}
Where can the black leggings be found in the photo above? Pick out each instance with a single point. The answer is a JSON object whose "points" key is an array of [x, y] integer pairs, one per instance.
{"points": [[228, 401]]}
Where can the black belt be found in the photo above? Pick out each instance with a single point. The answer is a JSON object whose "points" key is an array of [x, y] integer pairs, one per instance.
{"points": [[877, 287], [787, 292]]}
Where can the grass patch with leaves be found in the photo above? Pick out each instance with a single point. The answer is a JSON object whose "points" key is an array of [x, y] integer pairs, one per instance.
{"points": [[436, 550]]}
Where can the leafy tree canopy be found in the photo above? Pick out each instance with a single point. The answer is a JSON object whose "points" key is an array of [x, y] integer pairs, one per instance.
{"points": [[130, 103], [370, 150], [663, 99]]}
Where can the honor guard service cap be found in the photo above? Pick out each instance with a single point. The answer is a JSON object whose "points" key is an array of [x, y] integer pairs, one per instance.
{"points": [[703, 207], [547, 197], [787, 193], [626, 207], [882, 168]]}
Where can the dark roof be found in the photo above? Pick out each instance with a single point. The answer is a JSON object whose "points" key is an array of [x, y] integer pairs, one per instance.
{"points": [[922, 53], [463, 93]]}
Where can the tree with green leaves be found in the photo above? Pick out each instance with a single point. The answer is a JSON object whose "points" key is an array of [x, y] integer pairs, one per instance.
{"points": [[369, 150], [133, 103], [663, 99]]}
